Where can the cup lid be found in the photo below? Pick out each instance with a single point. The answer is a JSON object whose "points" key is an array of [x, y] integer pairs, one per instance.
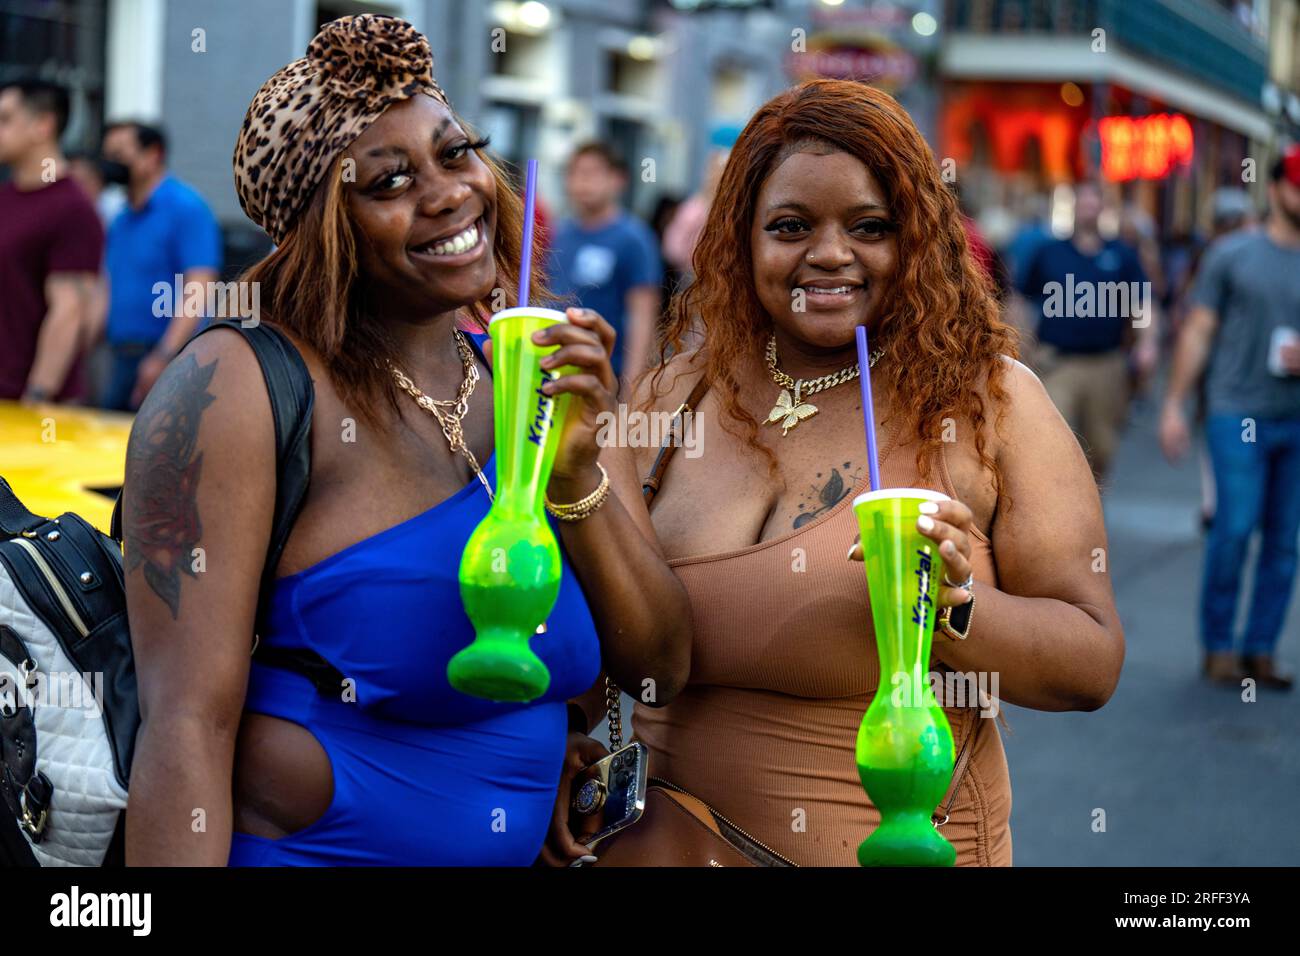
{"points": [[925, 494], [535, 311]]}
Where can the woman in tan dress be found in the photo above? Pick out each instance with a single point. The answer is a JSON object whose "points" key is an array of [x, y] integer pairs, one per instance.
{"points": [[832, 214]]}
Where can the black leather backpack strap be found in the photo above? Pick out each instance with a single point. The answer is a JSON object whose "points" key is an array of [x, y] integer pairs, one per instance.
{"points": [[292, 395], [15, 519]]}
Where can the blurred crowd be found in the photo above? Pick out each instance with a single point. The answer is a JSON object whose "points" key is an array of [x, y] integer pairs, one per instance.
{"points": [[102, 251], [94, 238], [95, 258]]}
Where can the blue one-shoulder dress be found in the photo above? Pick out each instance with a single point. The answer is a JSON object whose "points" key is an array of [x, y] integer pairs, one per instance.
{"points": [[423, 775]]}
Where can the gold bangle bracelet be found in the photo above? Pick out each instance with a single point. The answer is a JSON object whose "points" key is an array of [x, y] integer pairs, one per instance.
{"points": [[585, 507]]}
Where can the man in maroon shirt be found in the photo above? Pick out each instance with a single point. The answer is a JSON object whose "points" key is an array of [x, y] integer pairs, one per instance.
{"points": [[51, 248]]}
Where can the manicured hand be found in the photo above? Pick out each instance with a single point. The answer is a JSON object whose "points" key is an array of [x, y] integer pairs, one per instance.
{"points": [[561, 849], [949, 523], [585, 342]]}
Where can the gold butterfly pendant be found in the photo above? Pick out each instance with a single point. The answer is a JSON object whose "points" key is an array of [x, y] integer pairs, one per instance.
{"points": [[789, 411]]}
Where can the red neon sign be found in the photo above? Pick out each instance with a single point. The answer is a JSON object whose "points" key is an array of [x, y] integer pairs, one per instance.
{"points": [[1144, 147]]}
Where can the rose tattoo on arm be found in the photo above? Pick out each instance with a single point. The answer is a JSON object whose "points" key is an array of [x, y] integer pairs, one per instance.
{"points": [[162, 515]]}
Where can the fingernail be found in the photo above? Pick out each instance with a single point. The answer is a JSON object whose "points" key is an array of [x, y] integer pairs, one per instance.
{"points": [[925, 523], [948, 548], [929, 508], [587, 859]]}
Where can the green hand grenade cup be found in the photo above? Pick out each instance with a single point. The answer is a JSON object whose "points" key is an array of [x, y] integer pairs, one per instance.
{"points": [[510, 569], [904, 747]]}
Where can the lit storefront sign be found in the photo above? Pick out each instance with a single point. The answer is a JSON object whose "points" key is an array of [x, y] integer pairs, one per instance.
{"points": [[870, 57], [1014, 128], [1144, 147]]}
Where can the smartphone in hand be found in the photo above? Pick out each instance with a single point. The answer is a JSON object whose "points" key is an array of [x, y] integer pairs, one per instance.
{"points": [[609, 795]]}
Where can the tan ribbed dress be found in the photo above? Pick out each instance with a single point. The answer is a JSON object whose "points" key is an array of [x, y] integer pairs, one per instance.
{"points": [[783, 668]]}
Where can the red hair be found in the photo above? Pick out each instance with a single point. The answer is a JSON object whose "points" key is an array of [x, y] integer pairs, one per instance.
{"points": [[940, 325]]}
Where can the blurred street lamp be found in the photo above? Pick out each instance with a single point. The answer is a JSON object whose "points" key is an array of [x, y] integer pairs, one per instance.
{"points": [[641, 48], [535, 15], [530, 18]]}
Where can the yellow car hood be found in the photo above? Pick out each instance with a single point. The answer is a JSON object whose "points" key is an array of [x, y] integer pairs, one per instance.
{"points": [[61, 458]]}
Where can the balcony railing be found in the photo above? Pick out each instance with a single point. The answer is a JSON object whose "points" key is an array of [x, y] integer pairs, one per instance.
{"points": [[1197, 37]]}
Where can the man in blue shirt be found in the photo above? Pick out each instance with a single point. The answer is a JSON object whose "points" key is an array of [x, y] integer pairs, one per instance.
{"points": [[1091, 304], [606, 258], [165, 231]]}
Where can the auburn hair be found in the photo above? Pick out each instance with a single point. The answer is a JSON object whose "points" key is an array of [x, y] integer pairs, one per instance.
{"points": [[310, 286], [940, 323]]}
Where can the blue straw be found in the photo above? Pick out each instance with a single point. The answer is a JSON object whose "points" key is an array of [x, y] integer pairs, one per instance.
{"points": [[530, 203], [868, 411]]}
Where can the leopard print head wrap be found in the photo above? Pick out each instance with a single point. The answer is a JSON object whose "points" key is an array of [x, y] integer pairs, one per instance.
{"points": [[314, 108]]}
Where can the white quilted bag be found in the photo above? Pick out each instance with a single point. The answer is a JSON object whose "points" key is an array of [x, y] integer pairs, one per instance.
{"points": [[68, 706]]}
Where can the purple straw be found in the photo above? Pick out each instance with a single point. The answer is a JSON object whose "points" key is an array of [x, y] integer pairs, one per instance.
{"points": [[530, 203], [868, 411]]}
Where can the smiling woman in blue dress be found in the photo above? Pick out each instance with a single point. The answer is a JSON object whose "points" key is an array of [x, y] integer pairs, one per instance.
{"points": [[392, 227]]}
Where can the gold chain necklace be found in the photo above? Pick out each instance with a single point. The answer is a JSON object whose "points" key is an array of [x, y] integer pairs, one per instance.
{"points": [[790, 410], [450, 421]]}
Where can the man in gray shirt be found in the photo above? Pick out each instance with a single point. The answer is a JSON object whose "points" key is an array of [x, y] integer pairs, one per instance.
{"points": [[1245, 321]]}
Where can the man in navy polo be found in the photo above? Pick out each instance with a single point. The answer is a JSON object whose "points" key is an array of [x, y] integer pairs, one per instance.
{"points": [[1092, 314], [166, 230]]}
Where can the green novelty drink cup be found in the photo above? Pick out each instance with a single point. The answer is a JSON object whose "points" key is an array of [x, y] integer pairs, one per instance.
{"points": [[510, 569], [904, 748]]}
